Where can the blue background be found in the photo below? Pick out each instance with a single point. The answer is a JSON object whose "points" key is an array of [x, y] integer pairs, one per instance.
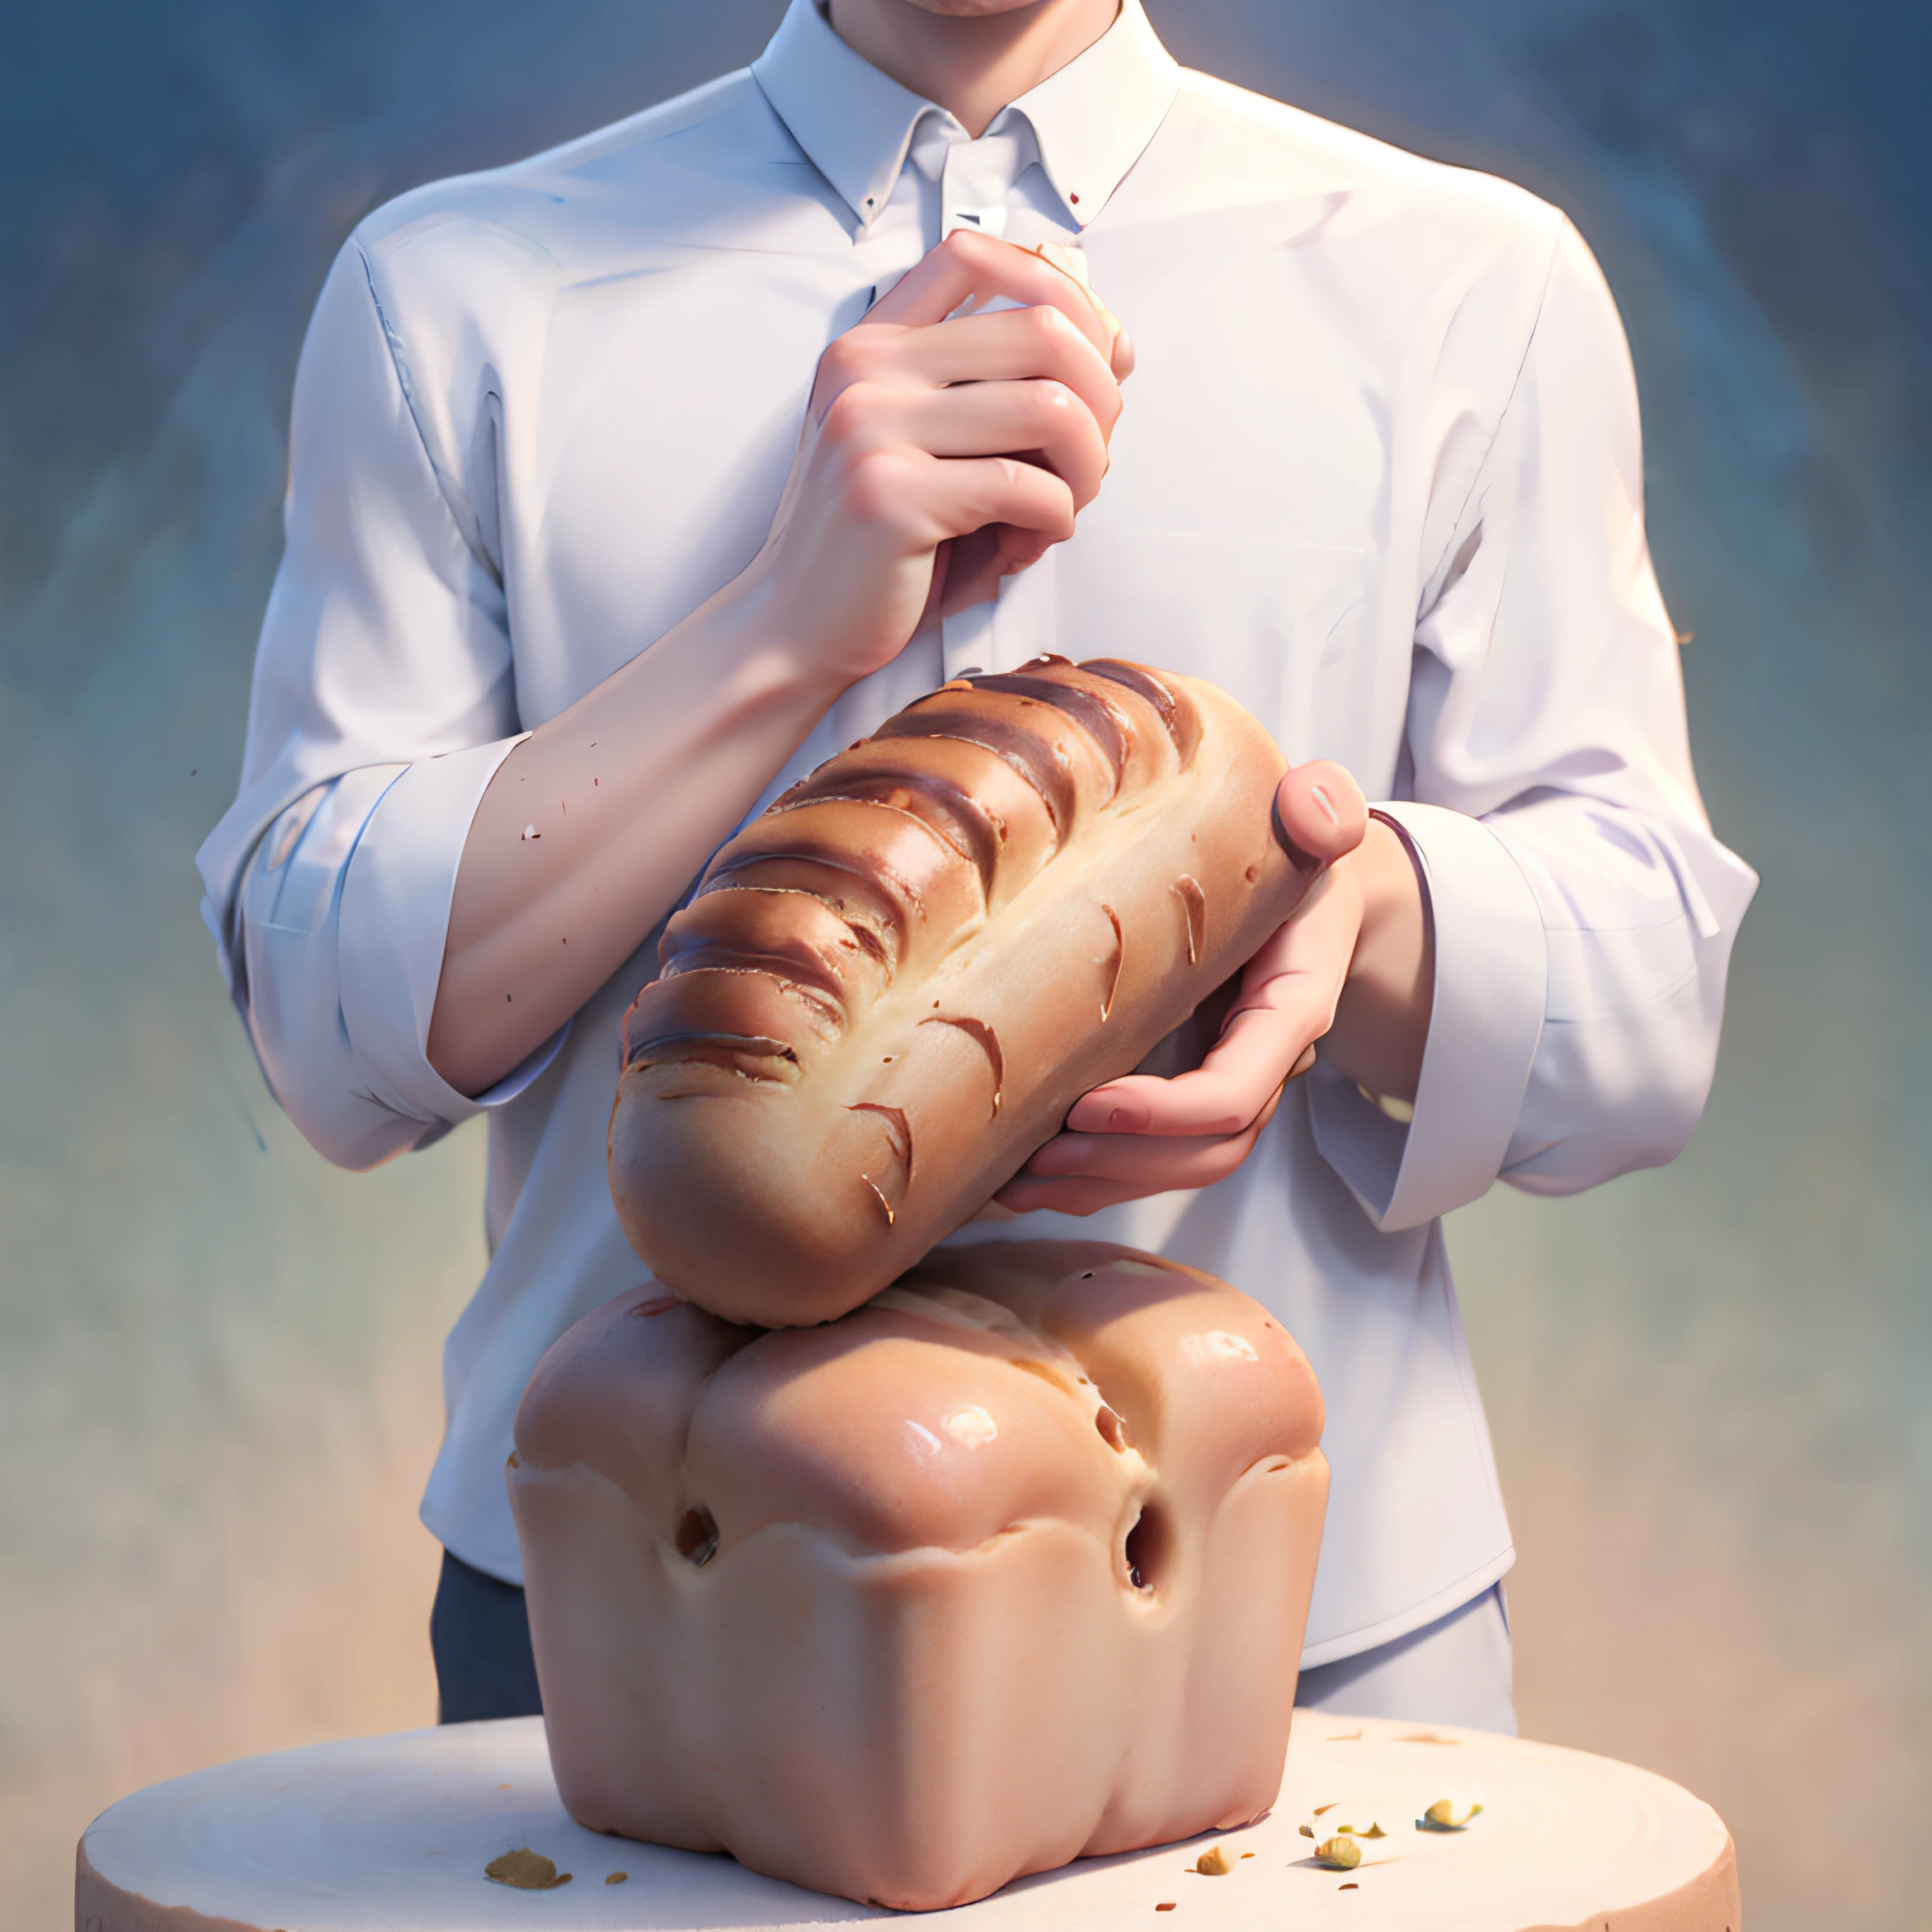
{"points": [[218, 1390]]}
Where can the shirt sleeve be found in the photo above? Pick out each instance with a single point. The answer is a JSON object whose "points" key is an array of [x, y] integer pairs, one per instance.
{"points": [[384, 700], [1583, 911]]}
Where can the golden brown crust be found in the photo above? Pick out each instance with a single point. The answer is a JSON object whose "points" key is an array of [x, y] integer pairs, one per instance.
{"points": [[1055, 865]]}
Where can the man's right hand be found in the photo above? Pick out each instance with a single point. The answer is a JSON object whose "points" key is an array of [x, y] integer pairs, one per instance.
{"points": [[941, 451]]}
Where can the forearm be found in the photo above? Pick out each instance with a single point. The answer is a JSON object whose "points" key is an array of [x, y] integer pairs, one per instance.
{"points": [[594, 826], [1382, 1019]]}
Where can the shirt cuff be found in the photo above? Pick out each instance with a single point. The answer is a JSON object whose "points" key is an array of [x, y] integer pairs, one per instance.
{"points": [[1491, 965], [395, 923]]}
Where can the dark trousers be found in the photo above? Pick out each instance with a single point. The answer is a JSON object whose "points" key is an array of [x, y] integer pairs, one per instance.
{"points": [[479, 1633]]}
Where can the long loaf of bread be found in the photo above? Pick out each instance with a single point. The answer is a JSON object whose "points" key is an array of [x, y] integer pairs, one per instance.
{"points": [[890, 987]]}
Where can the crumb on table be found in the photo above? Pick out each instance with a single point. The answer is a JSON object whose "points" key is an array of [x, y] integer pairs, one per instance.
{"points": [[526, 1870]]}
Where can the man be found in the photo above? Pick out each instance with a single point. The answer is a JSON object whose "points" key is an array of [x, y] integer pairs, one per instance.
{"points": [[629, 483]]}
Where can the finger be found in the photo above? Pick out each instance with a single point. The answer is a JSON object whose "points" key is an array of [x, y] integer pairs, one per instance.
{"points": [[1287, 1002], [1260, 1050], [973, 269], [1087, 1193], [1321, 809], [1043, 421], [1142, 1162], [952, 496], [1137, 1164], [1240, 1075], [981, 560], [1261, 1045], [1015, 345], [966, 267], [1025, 1194], [1317, 940], [1072, 259], [1173, 1160]]}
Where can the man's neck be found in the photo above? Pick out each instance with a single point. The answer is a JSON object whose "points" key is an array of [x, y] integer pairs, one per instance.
{"points": [[971, 64]]}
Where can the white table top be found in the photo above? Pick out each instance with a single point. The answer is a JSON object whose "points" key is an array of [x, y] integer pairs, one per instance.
{"points": [[392, 1834]]}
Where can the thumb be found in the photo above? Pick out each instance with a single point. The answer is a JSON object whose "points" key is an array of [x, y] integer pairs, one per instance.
{"points": [[1320, 813]]}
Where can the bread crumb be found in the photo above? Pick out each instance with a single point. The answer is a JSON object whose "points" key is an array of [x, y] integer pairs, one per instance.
{"points": [[526, 1870], [1446, 1815], [1213, 1863], [616, 1877]]}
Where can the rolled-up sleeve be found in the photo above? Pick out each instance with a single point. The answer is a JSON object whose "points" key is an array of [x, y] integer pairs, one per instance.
{"points": [[382, 703], [1583, 911]]}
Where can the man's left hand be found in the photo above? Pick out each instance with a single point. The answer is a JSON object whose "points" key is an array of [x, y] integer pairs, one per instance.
{"points": [[1353, 968]]}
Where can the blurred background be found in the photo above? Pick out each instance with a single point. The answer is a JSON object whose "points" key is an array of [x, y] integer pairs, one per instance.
{"points": [[219, 1390]]}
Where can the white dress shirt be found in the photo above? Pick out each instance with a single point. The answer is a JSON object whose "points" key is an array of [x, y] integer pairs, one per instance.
{"points": [[1377, 476]]}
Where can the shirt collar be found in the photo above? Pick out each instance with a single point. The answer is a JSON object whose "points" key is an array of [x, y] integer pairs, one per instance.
{"points": [[1092, 119]]}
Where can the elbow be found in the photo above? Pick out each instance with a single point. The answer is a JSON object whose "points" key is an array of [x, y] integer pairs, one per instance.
{"points": [[1586, 1160], [1635, 1008], [355, 1131], [328, 1106], [289, 1002]]}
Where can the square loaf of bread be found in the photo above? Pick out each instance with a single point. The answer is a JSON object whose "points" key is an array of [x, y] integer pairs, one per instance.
{"points": [[1008, 1565]]}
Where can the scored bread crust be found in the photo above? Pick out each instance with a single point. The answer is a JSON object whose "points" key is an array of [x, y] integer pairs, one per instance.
{"points": [[891, 987]]}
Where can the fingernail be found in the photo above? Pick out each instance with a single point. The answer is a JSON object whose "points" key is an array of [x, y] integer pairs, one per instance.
{"points": [[1327, 803], [1305, 863]]}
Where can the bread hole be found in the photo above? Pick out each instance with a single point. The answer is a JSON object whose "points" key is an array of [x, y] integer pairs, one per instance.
{"points": [[697, 1536], [1146, 1548], [1113, 1430]]}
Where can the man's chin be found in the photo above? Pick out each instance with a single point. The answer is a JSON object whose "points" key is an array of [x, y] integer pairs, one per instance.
{"points": [[971, 9]]}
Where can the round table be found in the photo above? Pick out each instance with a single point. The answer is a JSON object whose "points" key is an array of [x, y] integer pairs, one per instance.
{"points": [[392, 1835]]}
